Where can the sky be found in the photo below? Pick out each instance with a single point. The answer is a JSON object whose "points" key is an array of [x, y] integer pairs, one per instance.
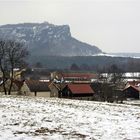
{"points": [[111, 25]]}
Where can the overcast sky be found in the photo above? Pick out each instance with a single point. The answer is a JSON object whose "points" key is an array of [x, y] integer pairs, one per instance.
{"points": [[112, 25]]}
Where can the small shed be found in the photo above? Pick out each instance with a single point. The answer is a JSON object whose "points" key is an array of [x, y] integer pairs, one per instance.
{"points": [[78, 91]]}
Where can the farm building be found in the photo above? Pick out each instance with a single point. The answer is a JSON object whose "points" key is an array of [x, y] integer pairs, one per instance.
{"points": [[36, 88], [77, 91], [56, 88], [74, 77], [132, 92]]}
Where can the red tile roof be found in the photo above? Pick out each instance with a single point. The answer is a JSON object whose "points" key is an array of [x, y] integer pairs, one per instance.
{"points": [[80, 88]]}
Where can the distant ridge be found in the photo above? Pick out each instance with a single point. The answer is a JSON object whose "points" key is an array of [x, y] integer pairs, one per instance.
{"points": [[132, 55], [45, 39]]}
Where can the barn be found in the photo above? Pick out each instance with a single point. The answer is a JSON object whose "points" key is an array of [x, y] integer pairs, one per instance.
{"points": [[132, 92], [77, 91], [37, 88]]}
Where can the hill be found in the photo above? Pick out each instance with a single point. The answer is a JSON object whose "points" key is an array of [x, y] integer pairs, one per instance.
{"points": [[45, 39]]}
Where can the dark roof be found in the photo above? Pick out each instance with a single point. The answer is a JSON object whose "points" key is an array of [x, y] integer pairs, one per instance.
{"points": [[38, 86], [80, 88]]}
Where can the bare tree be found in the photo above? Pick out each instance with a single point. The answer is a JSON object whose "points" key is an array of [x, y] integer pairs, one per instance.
{"points": [[12, 55], [111, 84], [115, 74], [3, 64]]}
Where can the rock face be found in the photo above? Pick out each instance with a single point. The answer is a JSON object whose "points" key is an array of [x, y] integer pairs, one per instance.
{"points": [[47, 39]]}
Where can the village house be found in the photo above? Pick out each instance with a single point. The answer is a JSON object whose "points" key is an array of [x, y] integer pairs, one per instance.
{"points": [[56, 88], [77, 91], [36, 88], [132, 90], [131, 76], [134, 83], [69, 77]]}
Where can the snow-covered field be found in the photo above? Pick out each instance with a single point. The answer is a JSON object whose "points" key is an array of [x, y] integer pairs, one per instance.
{"points": [[26, 118], [132, 102]]}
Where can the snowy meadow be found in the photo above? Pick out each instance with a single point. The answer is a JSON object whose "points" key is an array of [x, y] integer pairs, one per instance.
{"points": [[30, 118]]}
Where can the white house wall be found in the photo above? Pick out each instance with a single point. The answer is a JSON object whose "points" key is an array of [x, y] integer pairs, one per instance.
{"points": [[40, 94]]}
